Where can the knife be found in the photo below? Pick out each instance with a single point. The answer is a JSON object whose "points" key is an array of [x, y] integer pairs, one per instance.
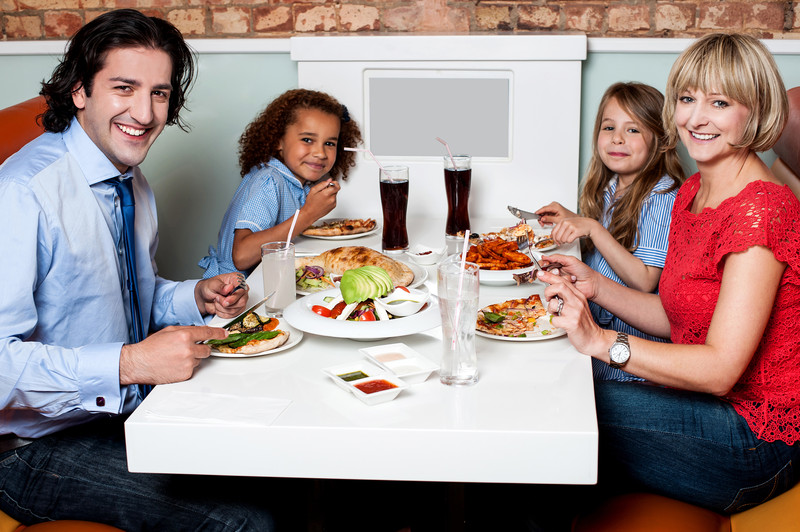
{"points": [[523, 215], [241, 316]]}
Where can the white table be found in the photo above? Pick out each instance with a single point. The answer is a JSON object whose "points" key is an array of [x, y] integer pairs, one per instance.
{"points": [[530, 418]]}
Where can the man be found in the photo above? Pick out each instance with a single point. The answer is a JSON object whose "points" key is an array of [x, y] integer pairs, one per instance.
{"points": [[70, 370]]}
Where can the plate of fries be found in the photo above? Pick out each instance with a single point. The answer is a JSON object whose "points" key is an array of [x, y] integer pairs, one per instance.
{"points": [[499, 260]]}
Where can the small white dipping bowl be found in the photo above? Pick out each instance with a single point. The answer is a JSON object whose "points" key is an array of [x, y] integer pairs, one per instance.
{"points": [[403, 303], [425, 255]]}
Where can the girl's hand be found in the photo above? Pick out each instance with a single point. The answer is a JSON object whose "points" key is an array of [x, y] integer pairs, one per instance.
{"points": [[574, 316], [321, 199], [572, 271], [553, 213], [569, 229]]}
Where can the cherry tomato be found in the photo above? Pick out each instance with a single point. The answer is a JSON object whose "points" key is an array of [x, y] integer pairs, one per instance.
{"points": [[336, 310], [367, 316], [322, 311], [404, 288]]}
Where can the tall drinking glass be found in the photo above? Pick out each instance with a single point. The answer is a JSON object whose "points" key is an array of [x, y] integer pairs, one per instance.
{"points": [[458, 305], [457, 184], [394, 200], [277, 263]]}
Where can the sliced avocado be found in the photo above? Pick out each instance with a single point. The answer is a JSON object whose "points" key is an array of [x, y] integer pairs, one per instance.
{"points": [[367, 282]]}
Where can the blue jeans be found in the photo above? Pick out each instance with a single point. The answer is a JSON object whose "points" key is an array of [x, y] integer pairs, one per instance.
{"points": [[689, 446], [82, 473]]}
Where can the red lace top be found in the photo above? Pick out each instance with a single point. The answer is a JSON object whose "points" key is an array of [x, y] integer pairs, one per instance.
{"points": [[768, 393]]}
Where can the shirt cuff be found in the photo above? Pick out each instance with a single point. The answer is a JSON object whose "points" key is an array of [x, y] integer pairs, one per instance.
{"points": [[651, 256], [98, 370], [185, 304]]}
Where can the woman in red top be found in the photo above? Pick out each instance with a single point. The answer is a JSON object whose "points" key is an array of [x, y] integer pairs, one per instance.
{"points": [[723, 429]]}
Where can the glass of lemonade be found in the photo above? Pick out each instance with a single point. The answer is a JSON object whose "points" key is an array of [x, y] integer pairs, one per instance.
{"points": [[277, 263], [458, 304]]}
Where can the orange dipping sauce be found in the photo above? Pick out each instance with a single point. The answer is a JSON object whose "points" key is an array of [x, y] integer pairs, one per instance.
{"points": [[375, 386]]}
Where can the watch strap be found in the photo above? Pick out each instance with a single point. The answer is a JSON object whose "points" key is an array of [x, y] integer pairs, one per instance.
{"points": [[622, 338]]}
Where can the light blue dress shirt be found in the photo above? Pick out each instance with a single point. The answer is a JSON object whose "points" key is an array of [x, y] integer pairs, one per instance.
{"points": [[269, 194], [654, 222], [63, 315]]}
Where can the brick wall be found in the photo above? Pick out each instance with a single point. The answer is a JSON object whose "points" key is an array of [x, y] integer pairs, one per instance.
{"points": [[767, 19]]}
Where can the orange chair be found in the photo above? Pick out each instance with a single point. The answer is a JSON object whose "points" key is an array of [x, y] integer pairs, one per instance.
{"points": [[9, 524], [646, 512], [18, 125]]}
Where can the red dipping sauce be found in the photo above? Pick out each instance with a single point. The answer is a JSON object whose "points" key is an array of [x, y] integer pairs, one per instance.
{"points": [[375, 386]]}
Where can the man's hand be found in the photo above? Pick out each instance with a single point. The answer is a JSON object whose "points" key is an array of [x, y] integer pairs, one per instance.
{"points": [[169, 355], [321, 199], [218, 295]]}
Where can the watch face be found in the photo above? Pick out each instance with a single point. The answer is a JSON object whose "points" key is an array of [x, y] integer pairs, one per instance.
{"points": [[619, 353]]}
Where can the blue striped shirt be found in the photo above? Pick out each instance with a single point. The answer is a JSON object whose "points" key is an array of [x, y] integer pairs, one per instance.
{"points": [[654, 221], [268, 195]]}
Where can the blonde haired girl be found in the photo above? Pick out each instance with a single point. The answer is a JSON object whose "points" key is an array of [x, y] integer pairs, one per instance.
{"points": [[626, 200]]}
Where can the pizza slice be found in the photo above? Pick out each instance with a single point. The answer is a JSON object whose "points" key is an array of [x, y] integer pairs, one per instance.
{"points": [[251, 343], [341, 227], [253, 334], [514, 318]]}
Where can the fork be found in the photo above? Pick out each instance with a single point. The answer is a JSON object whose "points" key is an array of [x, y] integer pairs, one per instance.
{"points": [[242, 284], [524, 244]]}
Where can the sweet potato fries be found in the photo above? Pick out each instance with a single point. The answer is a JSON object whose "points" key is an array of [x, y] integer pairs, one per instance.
{"points": [[498, 254]]}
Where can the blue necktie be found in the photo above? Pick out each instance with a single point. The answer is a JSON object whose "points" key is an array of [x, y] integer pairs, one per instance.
{"points": [[124, 188], [125, 191]]}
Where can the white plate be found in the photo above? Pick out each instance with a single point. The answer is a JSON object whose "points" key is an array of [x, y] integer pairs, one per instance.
{"points": [[300, 316], [556, 334], [500, 277], [548, 248], [294, 338], [420, 276], [343, 237], [540, 233]]}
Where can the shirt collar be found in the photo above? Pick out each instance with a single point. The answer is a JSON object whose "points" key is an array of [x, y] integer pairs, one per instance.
{"points": [[288, 174], [612, 184], [95, 165]]}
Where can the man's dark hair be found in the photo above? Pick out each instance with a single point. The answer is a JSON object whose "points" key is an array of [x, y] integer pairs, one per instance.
{"points": [[87, 51]]}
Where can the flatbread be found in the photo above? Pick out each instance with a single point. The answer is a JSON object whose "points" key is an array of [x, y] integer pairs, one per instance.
{"points": [[341, 227], [256, 346], [517, 317], [338, 260]]}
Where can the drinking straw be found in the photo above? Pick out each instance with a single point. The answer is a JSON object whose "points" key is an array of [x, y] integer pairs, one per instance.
{"points": [[446, 145], [365, 150], [291, 229], [462, 269]]}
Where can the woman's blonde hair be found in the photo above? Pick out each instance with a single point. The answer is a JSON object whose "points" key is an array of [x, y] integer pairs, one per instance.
{"points": [[643, 103], [741, 68]]}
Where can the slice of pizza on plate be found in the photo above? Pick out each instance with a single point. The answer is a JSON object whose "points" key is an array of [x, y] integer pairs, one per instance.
{"points": [[251, 335], [515, 318], [341, 227]]}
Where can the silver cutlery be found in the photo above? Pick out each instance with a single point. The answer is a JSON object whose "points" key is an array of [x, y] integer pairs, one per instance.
{"points": [[524, 244], [241, 316], [523, 215]]}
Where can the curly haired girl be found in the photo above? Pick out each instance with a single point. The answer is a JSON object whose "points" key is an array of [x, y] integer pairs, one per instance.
{"points": [[291, 157]]}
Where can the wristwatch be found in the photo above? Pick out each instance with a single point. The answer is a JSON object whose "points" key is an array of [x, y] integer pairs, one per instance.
{"points": [[620, 351]]}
